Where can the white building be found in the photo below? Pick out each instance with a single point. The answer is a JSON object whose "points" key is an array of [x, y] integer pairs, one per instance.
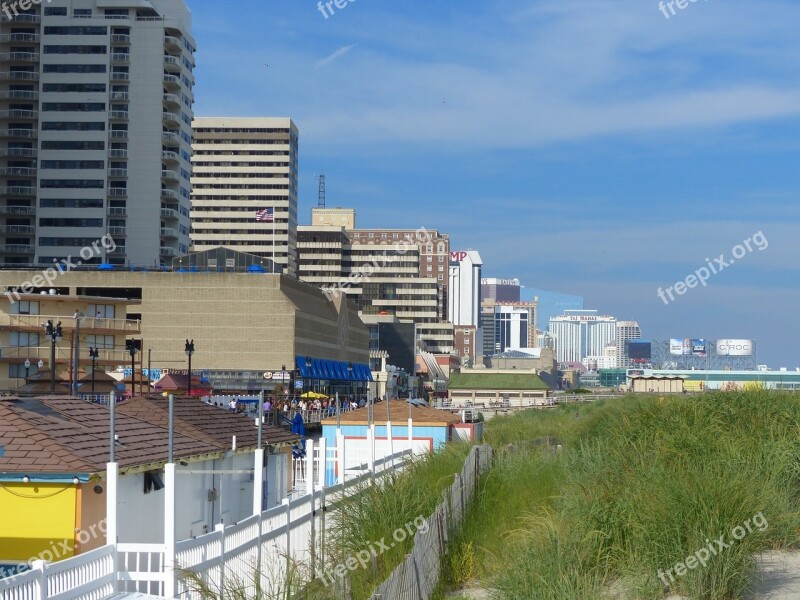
{"points": [[244, 187], [465, 288], [95, 130], [581, 333], [513, 327], [626, 331]]}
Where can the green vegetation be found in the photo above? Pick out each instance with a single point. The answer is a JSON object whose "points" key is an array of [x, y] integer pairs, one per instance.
{"points": [[640, 484]]}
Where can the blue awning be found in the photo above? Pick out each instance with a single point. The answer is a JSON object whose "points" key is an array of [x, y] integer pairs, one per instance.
{"points": [[335, 370]]}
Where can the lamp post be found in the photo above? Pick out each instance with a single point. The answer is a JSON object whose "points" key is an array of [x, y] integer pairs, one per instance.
{"points": [[94, 354], [53, 333], [132, 351], [308, 369], [350, 377], [189, 349], [40, 364], [27, 368], [76, 364]]}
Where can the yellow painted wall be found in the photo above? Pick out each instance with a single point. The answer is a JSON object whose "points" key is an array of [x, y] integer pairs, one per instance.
{"points": [[36, 521]]}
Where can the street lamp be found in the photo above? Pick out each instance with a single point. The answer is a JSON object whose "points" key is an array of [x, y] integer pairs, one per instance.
{"points": [[94, 354], [40, 364], [53, 333], [189, 349], [27, 367], [308, 369], [131, 348], [350, 378]]}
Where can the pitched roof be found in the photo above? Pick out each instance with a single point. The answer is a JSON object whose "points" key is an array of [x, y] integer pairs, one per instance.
{"points": [[496, 381], [398, 412], [58, 435]]}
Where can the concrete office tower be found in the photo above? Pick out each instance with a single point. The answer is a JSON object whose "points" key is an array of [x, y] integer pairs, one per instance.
{"points": [[99, 94], [244, 187], [626, 331], [500, 290], [582, 333]]}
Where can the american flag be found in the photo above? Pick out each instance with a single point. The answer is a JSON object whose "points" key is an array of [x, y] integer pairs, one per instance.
{"points": [[265, 215]]}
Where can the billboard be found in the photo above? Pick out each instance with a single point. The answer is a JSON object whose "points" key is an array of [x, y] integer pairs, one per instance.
{"points": [[639, 350], [735, 347], [687, 347]]}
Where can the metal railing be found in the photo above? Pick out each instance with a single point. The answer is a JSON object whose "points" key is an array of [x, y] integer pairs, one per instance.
{"points": [[123, 326]]}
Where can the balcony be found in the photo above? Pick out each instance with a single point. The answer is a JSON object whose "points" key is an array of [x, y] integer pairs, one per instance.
{"points": [[17, 172], [88, 324], [172, 63], [121, 57], [169, 195], [117, 231], [172, 99], [170, 213], [165, 251], [173, 42], [118, 134], [170, 138], [19, 229], [118, 115], [25, 18], [121, 96], [26, 211], [118, 250], [117, 211], [117, 173], [20, 37], [168, 232], [120, 38], [168, 155], [18, 113], [19, 76], [172, 81], [116, 192], [117, 153], [169, 176], [18, 190], [18, 249], [19, 57], [19, 95], [120, 76], [169, 117], [18, 133], [18, 152]]}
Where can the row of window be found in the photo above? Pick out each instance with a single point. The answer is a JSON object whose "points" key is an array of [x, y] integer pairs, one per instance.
{"points": [[76, 49], [73, 164], [74, 106], [71, 202], [64, 222]]}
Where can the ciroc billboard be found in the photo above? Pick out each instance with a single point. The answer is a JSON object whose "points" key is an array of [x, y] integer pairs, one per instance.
{"points": [[735, 347]]}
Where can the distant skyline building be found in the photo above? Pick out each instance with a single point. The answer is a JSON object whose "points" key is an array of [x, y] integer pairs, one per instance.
{"points": [[244, 187], [626, 331], [465, 287], [95, 130], [582, 333], [500, 290]]}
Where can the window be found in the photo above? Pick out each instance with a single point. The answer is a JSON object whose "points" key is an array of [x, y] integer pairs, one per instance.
{"points": [[429, 258], [75, 49], [212, 263], [383, 236], [23, 307], [73, 68], [21, 339], [72, 126], [73, 106], [153, 481], [18, 371], [101, 311], [103, 342], [441, 277], [74, 30], [55, 11], [230, 262], [70, 203], [82, 12], [73, 164]]}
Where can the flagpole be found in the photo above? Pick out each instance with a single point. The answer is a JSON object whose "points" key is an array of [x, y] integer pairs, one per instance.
{"points": [[274, 218]]}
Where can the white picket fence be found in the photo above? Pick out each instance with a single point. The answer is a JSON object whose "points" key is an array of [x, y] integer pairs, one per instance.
{"points": [[417, 576], [291, 538]]}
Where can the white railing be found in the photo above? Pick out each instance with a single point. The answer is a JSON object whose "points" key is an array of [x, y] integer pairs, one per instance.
{"points": [[90, 576], [141, 568]]}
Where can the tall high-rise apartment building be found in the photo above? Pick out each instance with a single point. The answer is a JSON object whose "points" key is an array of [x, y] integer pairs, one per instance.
{"points": [[244, 187], [626, 331], [95, 130], [582, 333]]}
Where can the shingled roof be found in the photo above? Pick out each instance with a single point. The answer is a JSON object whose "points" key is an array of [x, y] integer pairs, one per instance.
{"points": [[399, 413], [58, 435]]}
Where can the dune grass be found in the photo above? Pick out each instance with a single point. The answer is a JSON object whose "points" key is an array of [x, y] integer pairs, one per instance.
{"points": [[641, 484]]}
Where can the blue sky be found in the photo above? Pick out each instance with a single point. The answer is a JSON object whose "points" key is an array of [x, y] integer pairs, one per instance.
{"points": [[589, 147]]}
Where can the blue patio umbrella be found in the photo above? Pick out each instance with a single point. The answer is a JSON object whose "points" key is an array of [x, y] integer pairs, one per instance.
{"points": [[255, 269], [105, 267]]}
